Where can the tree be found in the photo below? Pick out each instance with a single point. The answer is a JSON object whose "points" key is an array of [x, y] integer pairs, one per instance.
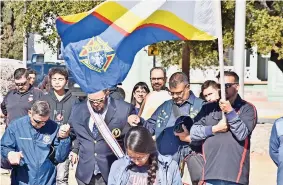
{"points": [[264, 29], [40, 17], [11, 34]]}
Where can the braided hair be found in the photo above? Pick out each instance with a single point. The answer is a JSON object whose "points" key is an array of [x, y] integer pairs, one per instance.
{"points": [[139, 139]]}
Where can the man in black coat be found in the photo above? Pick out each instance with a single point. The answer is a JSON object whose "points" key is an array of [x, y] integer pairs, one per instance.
{"points": [[95, 156]]}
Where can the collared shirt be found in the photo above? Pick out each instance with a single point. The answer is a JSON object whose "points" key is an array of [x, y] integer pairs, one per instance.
{"points": [[96, 168], [16, 104]]}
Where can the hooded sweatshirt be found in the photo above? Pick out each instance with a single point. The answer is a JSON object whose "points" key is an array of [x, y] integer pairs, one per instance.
{"points": [[167, 174], [63, 107]]}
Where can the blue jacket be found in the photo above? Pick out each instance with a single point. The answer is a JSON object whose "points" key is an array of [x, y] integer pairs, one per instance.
{"points": [[41, 150], [159, 125], [168, 172], [276, 148]]}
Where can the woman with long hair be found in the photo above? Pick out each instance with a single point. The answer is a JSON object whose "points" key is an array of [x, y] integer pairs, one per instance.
{"points": [[143, 165], [139, 92]]}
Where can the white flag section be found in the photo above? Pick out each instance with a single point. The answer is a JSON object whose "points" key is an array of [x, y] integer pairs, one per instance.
{"points": [[105, 132]]}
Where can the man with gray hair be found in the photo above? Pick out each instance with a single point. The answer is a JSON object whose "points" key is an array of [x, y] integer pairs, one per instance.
{"points": [[163, 121], [33, 145]]}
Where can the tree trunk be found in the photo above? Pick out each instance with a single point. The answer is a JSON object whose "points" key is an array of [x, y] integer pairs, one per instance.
{"points": [[186, 59], [274, 57]]}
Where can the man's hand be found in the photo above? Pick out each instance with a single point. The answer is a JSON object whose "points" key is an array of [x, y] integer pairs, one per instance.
{"points": [[184, 136], [225, 106], [222, 126], [134, 120], [15, 157], [73, 158], [64, 131]]}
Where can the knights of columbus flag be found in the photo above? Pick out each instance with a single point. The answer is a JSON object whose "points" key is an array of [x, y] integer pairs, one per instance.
{"points": [[100, 45]]}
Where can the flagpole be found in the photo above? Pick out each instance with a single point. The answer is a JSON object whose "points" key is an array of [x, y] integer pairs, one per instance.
{"points": [[239, 43], [220, 48]]}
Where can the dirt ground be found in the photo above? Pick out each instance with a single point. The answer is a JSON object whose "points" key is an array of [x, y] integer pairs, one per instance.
{"points": [[263, 170]]}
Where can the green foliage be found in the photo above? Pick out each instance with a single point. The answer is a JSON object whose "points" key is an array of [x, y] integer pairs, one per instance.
{"points": [[39, 16], [11, 34], [264, 28]]}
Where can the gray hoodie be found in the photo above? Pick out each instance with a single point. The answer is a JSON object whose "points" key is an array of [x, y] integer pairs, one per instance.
{"points": [[57, 106], [168, 172]]}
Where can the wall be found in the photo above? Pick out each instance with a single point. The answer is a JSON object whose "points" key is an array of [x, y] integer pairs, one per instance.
{"points": [[38, 47]]}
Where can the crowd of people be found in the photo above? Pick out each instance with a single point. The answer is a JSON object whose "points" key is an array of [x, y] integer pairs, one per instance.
{"points": [[162, 133]]}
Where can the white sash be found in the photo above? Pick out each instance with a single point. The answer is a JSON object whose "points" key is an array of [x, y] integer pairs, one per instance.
{"points": [[105, 132]]}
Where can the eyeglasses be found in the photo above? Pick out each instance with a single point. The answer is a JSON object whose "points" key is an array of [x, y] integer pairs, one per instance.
{"points": [[228, 85], [140, 92], [178, 93], [139, 159], [39, 122], [157, 79], [101, 100], [21, 84]]}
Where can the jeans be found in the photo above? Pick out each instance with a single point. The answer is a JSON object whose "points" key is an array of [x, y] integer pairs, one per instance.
{"points": [[62, 172], [95, 180], [220, 182]]}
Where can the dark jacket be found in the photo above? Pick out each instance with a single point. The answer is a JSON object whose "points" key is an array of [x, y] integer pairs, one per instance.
{"points": [[227, 155], [65, 104], [16, 104], [96, 149], [276, 148], [159, 126], [168, 172], [37, 166]]}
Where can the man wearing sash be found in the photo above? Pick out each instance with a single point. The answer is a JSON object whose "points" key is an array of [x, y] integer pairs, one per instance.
{"points": [[99, 125]]}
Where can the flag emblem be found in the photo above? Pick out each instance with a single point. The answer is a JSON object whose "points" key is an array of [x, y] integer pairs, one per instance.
{"points": [[97, 55]]}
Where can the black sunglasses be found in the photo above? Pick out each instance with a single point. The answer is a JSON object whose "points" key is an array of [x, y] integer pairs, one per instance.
{"points": [[39, 122], [228, 85], [21, 84]]}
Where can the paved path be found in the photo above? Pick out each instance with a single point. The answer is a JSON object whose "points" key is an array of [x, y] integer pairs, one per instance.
{"points": [[263, 171]]}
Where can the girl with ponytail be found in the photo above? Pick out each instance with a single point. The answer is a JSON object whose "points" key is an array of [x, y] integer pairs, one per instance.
{"points": [[143, 165]]}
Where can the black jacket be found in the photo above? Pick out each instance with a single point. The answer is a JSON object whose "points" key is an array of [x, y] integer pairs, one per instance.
{"points": [[96, 149]]}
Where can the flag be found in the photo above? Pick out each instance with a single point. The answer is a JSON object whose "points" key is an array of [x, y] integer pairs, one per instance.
{"points": [[100, 45]]}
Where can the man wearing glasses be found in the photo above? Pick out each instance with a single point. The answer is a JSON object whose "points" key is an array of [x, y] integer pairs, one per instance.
{"points": [[95, 156], [34, 145], [159, 94], [18, 101], [162, 122], [226, 140], [158, 79]]}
